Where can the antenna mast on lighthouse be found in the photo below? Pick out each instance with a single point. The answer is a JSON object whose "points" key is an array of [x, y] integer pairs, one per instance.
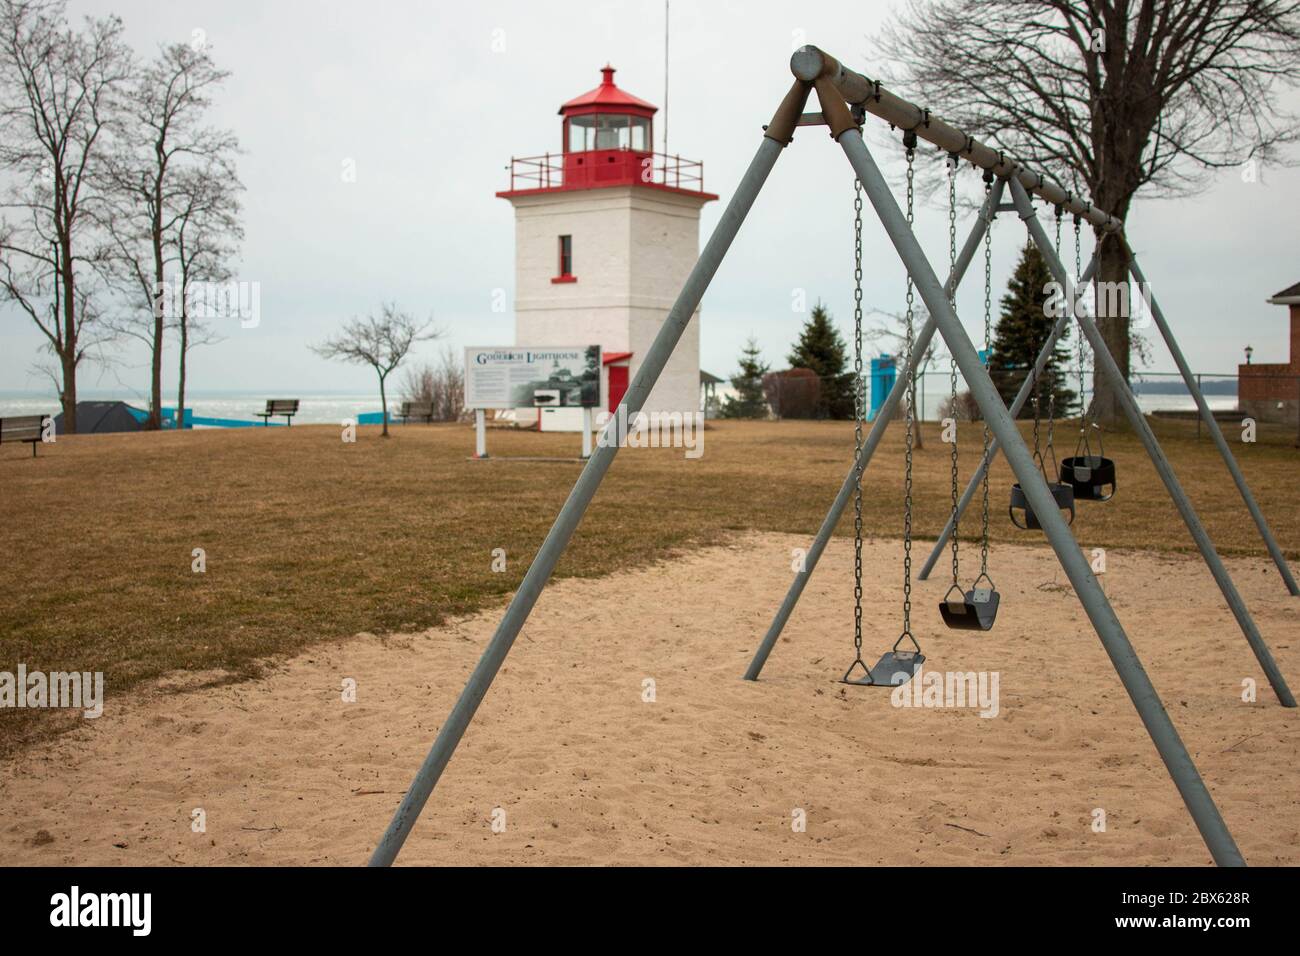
{"points": [[663, 114]]}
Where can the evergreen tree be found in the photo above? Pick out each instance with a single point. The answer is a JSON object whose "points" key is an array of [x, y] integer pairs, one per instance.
{"points": [[748, 402], [1025, 322], [821, 349]]}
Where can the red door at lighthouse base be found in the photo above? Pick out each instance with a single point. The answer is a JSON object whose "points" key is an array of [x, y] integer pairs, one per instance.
{"points": [[617, 385]]}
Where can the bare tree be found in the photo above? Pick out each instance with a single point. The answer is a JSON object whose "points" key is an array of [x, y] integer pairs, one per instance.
{"points": [[1116, 96], [59, 91], [168, 169], [382, 342], [206, 232], [441, 385], [451, 385]]}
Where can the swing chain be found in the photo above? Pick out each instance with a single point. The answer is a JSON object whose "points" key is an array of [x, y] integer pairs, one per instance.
{"points": [[988, 360], [910, 418], [1051, 431], [859, 413], [1078, 264], [1037, 383], [952, 361], [1038, 452]]}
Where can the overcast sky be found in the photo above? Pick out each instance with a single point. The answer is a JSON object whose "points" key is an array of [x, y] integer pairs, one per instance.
{"points": [[430, 100]]}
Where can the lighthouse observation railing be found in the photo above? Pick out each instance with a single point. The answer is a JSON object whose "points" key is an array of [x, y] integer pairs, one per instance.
{"points": [[659, 169]]}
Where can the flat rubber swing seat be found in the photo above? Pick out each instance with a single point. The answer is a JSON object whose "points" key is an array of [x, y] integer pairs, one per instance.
{"points": [[893, 668], [973, 610]]}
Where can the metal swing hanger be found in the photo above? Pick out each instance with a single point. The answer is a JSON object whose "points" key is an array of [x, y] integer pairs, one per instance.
{"points": [[811, 64]]}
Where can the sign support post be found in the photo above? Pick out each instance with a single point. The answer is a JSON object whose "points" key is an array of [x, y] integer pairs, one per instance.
{"points": [[586, 431], [480, 433]]}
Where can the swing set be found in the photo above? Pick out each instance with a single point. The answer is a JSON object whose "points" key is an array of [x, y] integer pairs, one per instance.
{"points": [[1042, 498]]}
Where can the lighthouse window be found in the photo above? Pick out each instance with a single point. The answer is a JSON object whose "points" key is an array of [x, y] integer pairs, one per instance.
{"points": [[640, 132], [578, 130], [608, 131], [566, 255]]}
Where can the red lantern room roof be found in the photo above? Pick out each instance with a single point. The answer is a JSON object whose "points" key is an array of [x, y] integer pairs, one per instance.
{"points": [[607, 140], [607, 96]]}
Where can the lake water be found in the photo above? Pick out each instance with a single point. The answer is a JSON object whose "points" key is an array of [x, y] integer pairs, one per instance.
{"points": [[317, 408], [324, 408], [1148, 403]]}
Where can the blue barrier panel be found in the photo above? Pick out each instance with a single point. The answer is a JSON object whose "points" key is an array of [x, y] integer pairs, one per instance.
{"points": [[169, 418], [883, 374], [226, 422]]}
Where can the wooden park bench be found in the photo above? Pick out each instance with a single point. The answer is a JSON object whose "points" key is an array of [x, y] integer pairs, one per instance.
{"points": [[288, 407], [28, 428], [422, 410]]}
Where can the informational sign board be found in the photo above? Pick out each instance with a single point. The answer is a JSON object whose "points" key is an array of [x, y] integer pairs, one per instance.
{"points": [[533, 377]]}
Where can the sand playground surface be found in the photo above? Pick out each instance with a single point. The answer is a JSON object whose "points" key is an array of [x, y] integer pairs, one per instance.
{"points": [[580, 769]]}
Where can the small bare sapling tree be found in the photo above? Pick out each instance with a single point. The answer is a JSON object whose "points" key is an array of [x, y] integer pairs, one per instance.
{"points": [[382, 342], [442, 386]]}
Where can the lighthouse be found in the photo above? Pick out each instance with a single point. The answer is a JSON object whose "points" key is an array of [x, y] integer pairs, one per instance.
{"points": [[606, 231]]}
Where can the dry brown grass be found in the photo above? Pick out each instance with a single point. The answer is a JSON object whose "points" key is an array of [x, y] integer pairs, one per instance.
{"points": [[310, 539]]}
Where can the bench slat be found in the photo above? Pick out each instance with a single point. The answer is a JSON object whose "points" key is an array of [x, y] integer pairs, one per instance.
{"points": [[22, 428]]}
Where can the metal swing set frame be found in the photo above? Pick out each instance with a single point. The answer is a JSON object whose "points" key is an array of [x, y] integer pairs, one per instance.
{"points": [[845, 98]]}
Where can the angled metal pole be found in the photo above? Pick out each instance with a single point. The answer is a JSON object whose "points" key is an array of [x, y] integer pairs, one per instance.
{"points": [[883, 416], [1213, 426], [1116, 643], [1139, 423], [810, 63], [779, 133], [1022, 396]]}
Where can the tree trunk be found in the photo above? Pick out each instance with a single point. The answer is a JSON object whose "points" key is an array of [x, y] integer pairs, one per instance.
{"points": [[68, 356], [155, 380], [159, 313], [383, 400], [184, 346], [1112, 267], [69, 393]]}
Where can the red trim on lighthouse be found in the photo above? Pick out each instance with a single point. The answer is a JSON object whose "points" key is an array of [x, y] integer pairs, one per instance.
{"points": [[608, 95], [625, 159], [617, 385]]}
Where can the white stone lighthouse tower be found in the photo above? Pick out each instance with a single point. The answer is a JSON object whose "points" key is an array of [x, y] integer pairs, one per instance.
{"points": [[606, 232]]}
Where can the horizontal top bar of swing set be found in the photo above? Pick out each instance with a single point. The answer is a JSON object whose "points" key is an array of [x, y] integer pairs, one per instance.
{"points": [[808, 63]]}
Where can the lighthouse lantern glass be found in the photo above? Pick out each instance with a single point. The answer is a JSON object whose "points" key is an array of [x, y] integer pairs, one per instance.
{"points": [[607, 131]]}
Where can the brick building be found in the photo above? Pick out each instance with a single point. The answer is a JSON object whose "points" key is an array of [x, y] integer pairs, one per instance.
{"points": [[1270, 391]]}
